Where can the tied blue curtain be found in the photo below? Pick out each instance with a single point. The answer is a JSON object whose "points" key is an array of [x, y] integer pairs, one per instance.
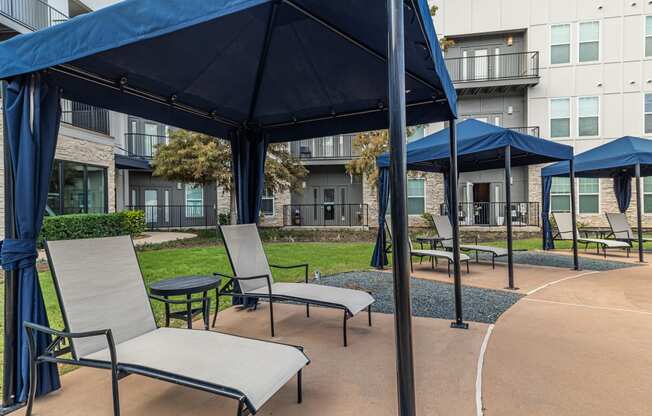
{"points": [[32, 115], [379, 259], [546, 187], [248, 153], [447, 196], [623, 190]]}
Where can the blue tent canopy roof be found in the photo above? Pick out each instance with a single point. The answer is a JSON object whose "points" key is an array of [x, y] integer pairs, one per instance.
{"points": [[612, 158], [480, 147], [287, 68]]}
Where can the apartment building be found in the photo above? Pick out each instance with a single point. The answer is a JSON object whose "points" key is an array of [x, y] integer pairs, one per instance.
{"points": [[83, 178], [575, 71]]}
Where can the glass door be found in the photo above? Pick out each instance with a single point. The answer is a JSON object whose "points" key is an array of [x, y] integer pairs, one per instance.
{"points": [[151, 206], [481, 64], [329, 205], [151, 137]]}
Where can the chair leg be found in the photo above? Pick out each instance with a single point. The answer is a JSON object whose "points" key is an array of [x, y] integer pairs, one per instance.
{"points": [[493, 262], [468, 270], [32, 381], [217, 306], [346, 317], [271, 315], [307, 310], [116, 393], [369, 314], [240, 408], [449, 269], [299, 388], [411, 265]]}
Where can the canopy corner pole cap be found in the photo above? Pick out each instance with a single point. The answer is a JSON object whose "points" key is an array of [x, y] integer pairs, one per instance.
{"points": [[123, 81], [173, 98]]}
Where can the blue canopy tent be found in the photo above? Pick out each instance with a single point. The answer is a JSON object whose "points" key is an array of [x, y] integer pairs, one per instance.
{"points": [[621, 159], [250, 71], [481, 146]]}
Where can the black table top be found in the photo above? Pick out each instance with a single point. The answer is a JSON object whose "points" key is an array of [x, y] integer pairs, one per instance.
{"points": [[184, 285], [432, 238]]}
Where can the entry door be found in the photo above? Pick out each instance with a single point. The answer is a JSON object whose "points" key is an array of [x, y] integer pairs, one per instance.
{"points": [[343, 212], [151, 206], [328, 198], [466, 212], [481, 64], [497, 204]]}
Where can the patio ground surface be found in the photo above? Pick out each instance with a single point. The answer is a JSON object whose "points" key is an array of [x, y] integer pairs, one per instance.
{"points": [[580, 345]]}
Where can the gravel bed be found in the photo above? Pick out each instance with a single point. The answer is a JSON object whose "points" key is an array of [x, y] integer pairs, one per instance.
{"points": [[537, 258], [429, 299]]}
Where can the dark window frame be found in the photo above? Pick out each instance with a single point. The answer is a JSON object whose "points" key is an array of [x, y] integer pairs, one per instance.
{"points": [[60, 164]]}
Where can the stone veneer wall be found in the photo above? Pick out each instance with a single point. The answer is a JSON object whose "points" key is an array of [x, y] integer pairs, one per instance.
{"points": [[280, 200], [434, 195], [608, 201], [84, 151]]}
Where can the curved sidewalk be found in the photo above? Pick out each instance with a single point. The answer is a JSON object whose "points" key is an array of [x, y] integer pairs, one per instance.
{"points": [[578, 347]]}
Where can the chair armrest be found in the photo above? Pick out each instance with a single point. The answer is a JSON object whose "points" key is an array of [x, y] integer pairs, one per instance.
{"points": [[235, 278], [30, 328], [296, 266]]}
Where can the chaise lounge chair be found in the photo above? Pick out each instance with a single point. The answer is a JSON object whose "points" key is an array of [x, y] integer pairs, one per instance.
{"points": [[621, 230], [253, 273], [564, 223], [434, 255], [109, 324], [445, 230]]}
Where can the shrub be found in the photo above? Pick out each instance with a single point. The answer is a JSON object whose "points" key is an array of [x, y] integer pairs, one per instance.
{"points": [[78, 226]]}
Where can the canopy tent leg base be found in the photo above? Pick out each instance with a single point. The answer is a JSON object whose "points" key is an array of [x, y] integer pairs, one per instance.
{"points": [[459, 325], [512, 288], [9, 409]]}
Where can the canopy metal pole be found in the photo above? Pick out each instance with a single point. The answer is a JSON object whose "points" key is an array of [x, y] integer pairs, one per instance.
{"points": [[455, 221], [11, 289], [639, 213], [508, 216], [398, 173], [576, 264]]}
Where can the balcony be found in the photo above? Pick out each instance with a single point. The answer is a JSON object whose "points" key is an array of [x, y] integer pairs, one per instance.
{"points": [[85, 116], [492, 214], [31, 14], [531, 131], [494, 73], [166, 217], [326, 215], [143, 146], [325, 149]]}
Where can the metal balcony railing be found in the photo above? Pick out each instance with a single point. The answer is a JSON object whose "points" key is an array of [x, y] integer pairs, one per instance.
{"points": [[326, 215], [159, 217], [33, 14], [507, 66], [85, 116], [143, 145], [330, 147], [532, 131], [524, 214]]}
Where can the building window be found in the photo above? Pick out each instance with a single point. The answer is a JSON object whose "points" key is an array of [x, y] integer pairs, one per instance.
{"points": [[648, 113], [560, 195], [559, 117], [416, 197], [589, 48], [76, 188], [588, 116], [267, 203], [194, 201], [589, 195], [647, 195], [560, 44], [648, 36]]}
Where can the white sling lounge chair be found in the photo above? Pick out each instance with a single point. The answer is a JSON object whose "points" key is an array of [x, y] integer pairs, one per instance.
{"points": [[621, 230], [253, 273], [434, 255], [445, 230], [564, 223], [110, 325]]}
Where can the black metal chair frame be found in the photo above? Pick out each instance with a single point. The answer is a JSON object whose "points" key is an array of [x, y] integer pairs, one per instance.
{"points": [[55, 350], [229, 290], [598, 245]]}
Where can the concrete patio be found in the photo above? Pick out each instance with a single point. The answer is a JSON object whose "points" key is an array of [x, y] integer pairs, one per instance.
{"points": [[580, 344]]}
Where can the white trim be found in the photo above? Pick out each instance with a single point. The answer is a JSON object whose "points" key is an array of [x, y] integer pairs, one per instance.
{"points": [[185, 197], [580, 305], [533, 291], [273, 198], [579, 41], [577, 117], [599, 194], [479, 408], [570, 44]]}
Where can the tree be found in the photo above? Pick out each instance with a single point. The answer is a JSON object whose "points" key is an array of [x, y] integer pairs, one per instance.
{"points": [[198, 158], [370, 145]]}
